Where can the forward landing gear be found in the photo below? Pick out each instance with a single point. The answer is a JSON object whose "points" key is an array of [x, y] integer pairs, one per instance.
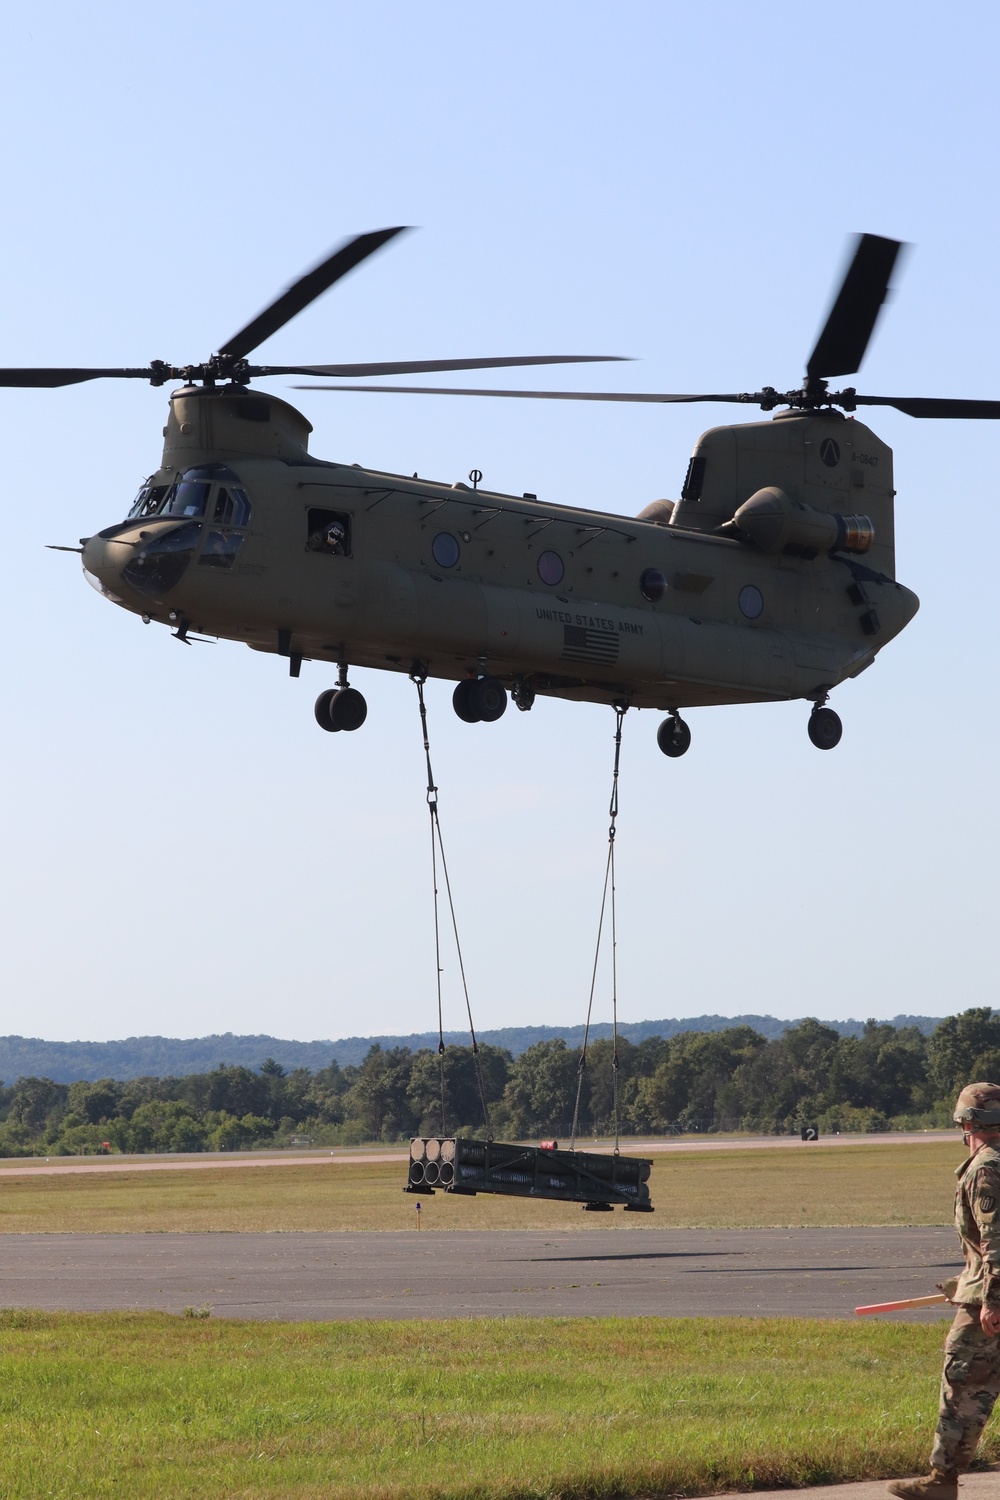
{"points": [[342, 707], [673, 736], [824, 728], [480, 700], [522, 693]]}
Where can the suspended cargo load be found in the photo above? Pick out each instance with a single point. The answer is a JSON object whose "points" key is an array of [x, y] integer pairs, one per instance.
{"points": [[470, 1167]]}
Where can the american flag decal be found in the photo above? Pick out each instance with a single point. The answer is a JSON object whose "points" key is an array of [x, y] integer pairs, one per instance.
{"points": [[581, 643]]}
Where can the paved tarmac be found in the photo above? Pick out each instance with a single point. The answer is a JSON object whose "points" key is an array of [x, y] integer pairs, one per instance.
{"points": [[602, 1273], [984, 1486]]}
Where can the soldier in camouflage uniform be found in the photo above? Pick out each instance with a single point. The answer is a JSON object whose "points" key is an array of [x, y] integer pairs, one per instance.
{"points": [[970, 1382]]}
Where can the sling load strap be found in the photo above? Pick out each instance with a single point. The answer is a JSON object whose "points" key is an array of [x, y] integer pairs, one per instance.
{"points": [[437, 847], [609, 885]]}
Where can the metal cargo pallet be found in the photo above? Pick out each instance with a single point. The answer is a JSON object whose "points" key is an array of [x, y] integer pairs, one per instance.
{"points": [[470, 1167]]}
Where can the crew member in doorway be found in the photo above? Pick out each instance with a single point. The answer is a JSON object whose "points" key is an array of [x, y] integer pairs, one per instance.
{"points": [[331, 538]]}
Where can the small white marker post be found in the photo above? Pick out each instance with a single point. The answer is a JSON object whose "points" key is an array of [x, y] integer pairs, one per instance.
{"points": [[418, 1215]]}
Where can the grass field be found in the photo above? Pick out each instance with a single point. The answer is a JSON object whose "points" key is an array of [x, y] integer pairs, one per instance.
{"points": [[139, 1406], [885, 1184]]}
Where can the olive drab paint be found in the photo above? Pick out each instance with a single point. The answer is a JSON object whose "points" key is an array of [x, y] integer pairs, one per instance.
{"points": [[736, 623], [771, 577]]}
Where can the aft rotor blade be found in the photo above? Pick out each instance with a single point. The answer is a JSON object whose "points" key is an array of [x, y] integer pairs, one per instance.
{"points": [[49, 379], [306, 290], [932, 406], [421, 367], [456, 390], [841, 346]]}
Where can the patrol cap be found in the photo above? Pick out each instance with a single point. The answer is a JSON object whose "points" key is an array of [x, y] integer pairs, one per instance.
{"points": [[978, 1104]]}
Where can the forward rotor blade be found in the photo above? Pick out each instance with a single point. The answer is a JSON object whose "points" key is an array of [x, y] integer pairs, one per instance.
{"points": [[306, 290], [454, 390], [421, 367], [49, 379], [841, 346], [932, 406]]}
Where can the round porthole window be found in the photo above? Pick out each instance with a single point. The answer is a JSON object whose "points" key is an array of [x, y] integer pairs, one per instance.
{"points": [[550, 568], [445, 549], [751, 601], [652, 585]]}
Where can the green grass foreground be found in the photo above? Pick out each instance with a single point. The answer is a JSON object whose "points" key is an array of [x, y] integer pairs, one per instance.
{"points": [[889, 1183], [144, 1406]]}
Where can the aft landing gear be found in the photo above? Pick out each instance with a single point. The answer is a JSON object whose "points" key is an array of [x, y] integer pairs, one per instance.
{"points": [[824, 728], [480, 700], [673, 736], [341, 707]]}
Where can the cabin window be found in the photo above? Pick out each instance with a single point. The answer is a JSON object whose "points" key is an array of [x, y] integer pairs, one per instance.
{"points": [[652, 585], [329, 532], [751, 601], [551, 568], [445, 549]]}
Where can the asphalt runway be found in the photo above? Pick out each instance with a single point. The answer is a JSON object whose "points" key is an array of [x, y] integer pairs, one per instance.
{"points": [[599, 1273], [207, 1160]]}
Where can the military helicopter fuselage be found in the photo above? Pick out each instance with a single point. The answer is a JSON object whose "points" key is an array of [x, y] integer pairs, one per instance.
{"points": [[772, 577]]}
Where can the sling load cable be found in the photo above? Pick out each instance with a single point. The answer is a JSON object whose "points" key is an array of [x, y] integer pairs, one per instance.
{"points": [[621, 709], [518, 1170], [419, 677]]}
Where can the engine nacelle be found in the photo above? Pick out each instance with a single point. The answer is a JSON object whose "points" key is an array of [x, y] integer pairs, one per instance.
{"points": [[775, 522]]}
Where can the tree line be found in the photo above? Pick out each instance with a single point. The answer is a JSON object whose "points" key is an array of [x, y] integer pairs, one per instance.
{"points": [[887, 1078]]}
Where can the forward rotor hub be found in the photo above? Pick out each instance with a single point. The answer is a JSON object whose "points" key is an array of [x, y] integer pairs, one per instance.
{"points": [[219, 367], [813, 396]]}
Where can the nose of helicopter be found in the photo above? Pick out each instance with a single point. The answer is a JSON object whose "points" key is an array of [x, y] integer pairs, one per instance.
{"points": [[132, 566], [103, 559]]}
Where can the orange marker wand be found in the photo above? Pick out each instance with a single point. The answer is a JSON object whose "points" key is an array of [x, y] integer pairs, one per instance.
{"points": [[877, 1307]]}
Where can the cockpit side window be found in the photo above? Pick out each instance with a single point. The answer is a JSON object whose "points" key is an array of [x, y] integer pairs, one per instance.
{"points": [[209, 490], [232, 508]]}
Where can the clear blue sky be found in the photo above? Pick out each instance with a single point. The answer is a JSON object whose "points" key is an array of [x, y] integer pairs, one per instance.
{"points": [[183, 851]]}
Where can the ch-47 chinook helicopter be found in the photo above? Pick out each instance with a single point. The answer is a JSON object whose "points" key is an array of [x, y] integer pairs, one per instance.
{"points": [[771, 578]]}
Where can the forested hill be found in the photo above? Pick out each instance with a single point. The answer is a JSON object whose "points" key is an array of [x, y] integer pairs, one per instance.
{"points": [[163, 1057]]}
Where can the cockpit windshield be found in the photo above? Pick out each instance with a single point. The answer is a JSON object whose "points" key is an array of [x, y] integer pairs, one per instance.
{"points": [[211, 490], [148, 501], [188, 497]]}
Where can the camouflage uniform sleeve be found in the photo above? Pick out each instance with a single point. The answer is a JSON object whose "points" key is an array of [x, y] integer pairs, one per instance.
{"points": [[984, 1198]]}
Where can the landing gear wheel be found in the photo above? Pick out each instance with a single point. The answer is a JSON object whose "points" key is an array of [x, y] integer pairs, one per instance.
{"points": [[461, 702], [488, 698], [824, 728], [322, 711], [673, 736], [348, 709]]}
